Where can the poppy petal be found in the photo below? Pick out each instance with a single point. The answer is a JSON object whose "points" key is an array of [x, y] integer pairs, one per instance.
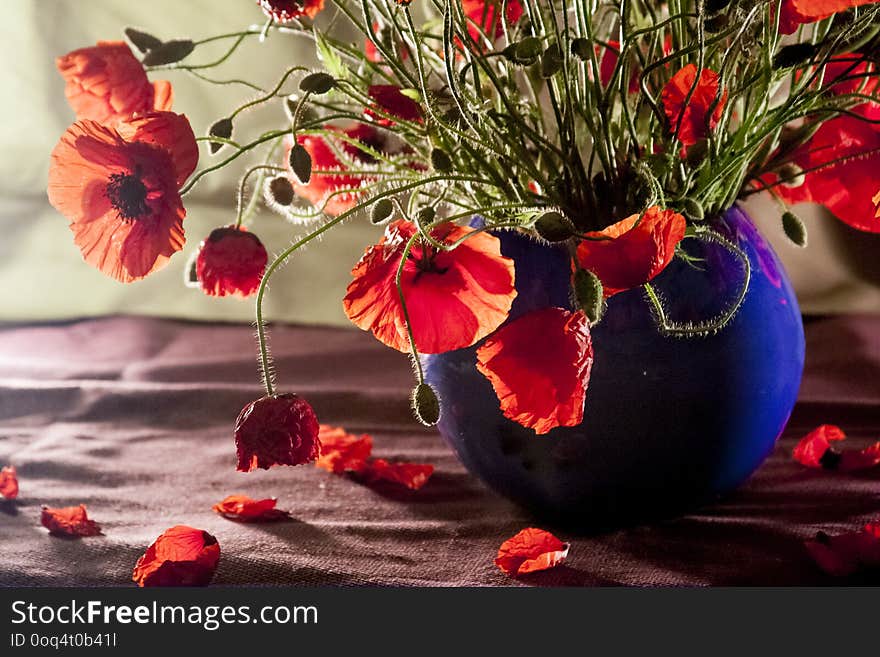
{"points": [[246, 509], [342, 451], [845, 554], [277, 430], [531, 550], [816, 451], [389, 99], [692, 117], [409, 475], [794, 13], [163, 96], [171, 132], [8, 483], [231, 261], [181, 556], [69, 521], [546, 392], [486, 16]]}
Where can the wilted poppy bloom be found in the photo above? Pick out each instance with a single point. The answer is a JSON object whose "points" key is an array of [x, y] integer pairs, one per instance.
{"points": [[794, 13], [389, 99], [844, 148], [277, 430], [231, 261], [321, 191], [181, 556], [531, 550], [284, 11], [816, 451], [409, 475], [484, 16], [246, 509], [546, 390], [342, 451], [634, 250], [8, 483], [119, 189], [693, 115], [848, 553], [69, 521], [106, 83], [454, 298]]}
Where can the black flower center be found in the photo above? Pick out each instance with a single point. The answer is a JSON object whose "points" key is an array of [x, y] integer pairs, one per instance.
{"points": [[128, 195]]}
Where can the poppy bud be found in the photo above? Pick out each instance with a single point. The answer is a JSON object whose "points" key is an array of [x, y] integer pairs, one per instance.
{"points": [[715, 24], [554, 227], [440, 160], [698, 152], [221, 129], [791, 175], [693, 209], [796, 53], [169, 52], [794, 228], [714, 6], [426, 405], [588, 294], [301, 164], [426, 215], [141, 40], [317, 83], [524, 52], [306, 113], [551, 61], [581, 49], [281, 190], [381, 211]]}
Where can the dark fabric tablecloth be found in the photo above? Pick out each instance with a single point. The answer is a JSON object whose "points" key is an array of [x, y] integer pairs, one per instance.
{"points": [[133, 417]]}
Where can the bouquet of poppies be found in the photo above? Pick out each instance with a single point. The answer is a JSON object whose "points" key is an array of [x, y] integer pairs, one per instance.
{"points": [[612, 130]]}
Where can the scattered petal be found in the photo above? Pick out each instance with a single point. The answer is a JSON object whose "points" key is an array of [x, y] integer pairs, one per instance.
{"points": [[847, 553], [343, 452], [529, 551], [231, 261], [277, 430], [410, 475], [695, 125], [181, 556], [8, 483], [546, 392], [69, 521], [815, 451], [246, 509]]}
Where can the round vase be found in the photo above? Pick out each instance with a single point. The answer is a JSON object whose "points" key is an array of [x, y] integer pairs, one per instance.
{"points": [[670, 422]]}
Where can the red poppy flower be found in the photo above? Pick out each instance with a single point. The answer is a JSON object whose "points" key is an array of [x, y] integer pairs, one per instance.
{"points": [[277, 430], [320, 191], [844, 148], [485, 16], [246, 509], [106, 83], [847, 553], [529, 551], [181, 556], [119, 189], [454, 298], [545, 392], [373, 54], [410, 475], [695, 124], [342, 451], [608, 63], [794, 13], [389, 99], [231, 261], [849, 74], [635, 251], [284, 11], [815, 451], [69, 521], [8, 483]]}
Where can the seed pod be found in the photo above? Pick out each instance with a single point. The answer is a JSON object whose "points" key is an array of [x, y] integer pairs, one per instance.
{"points": [[141, 40], [317, 83], [221, 129], [281, 190], [169, 52], [426, 405], [381, 211], [426, 215], [551, 61], [588, 293], [794, 228], [301, 164], [554, 227], [581, 48], [440, 160], [796, 53]]}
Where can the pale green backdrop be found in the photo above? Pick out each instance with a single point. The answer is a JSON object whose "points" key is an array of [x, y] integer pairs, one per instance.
{"points": [[42, 276]]}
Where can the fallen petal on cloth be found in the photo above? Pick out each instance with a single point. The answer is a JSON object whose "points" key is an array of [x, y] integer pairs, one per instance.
{"points": [[530, 551], [69, 521], [848, 553], [342, 451], [181, 556], [815, 451], [409, 475], [8, 483], [246, 509]]}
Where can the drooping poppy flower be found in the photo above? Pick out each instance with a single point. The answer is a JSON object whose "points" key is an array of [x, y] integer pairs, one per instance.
{"points": [[454, 298], [181, 556], [816, 451], [277, 430], [547, 391], [484, 16], [8, 483], [119, 189], [343, 452], [321, 190], [69, 521], [693, 115], [246, 509], [284, 11], [531, 550], [231, 261], [634, 250], [409, 475], [389, 99], [794, 13], [106, 83], [843, 148], [848, 553]]}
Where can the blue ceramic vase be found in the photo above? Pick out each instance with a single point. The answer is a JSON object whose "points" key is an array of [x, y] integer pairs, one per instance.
{"points": [[670, 422]]}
